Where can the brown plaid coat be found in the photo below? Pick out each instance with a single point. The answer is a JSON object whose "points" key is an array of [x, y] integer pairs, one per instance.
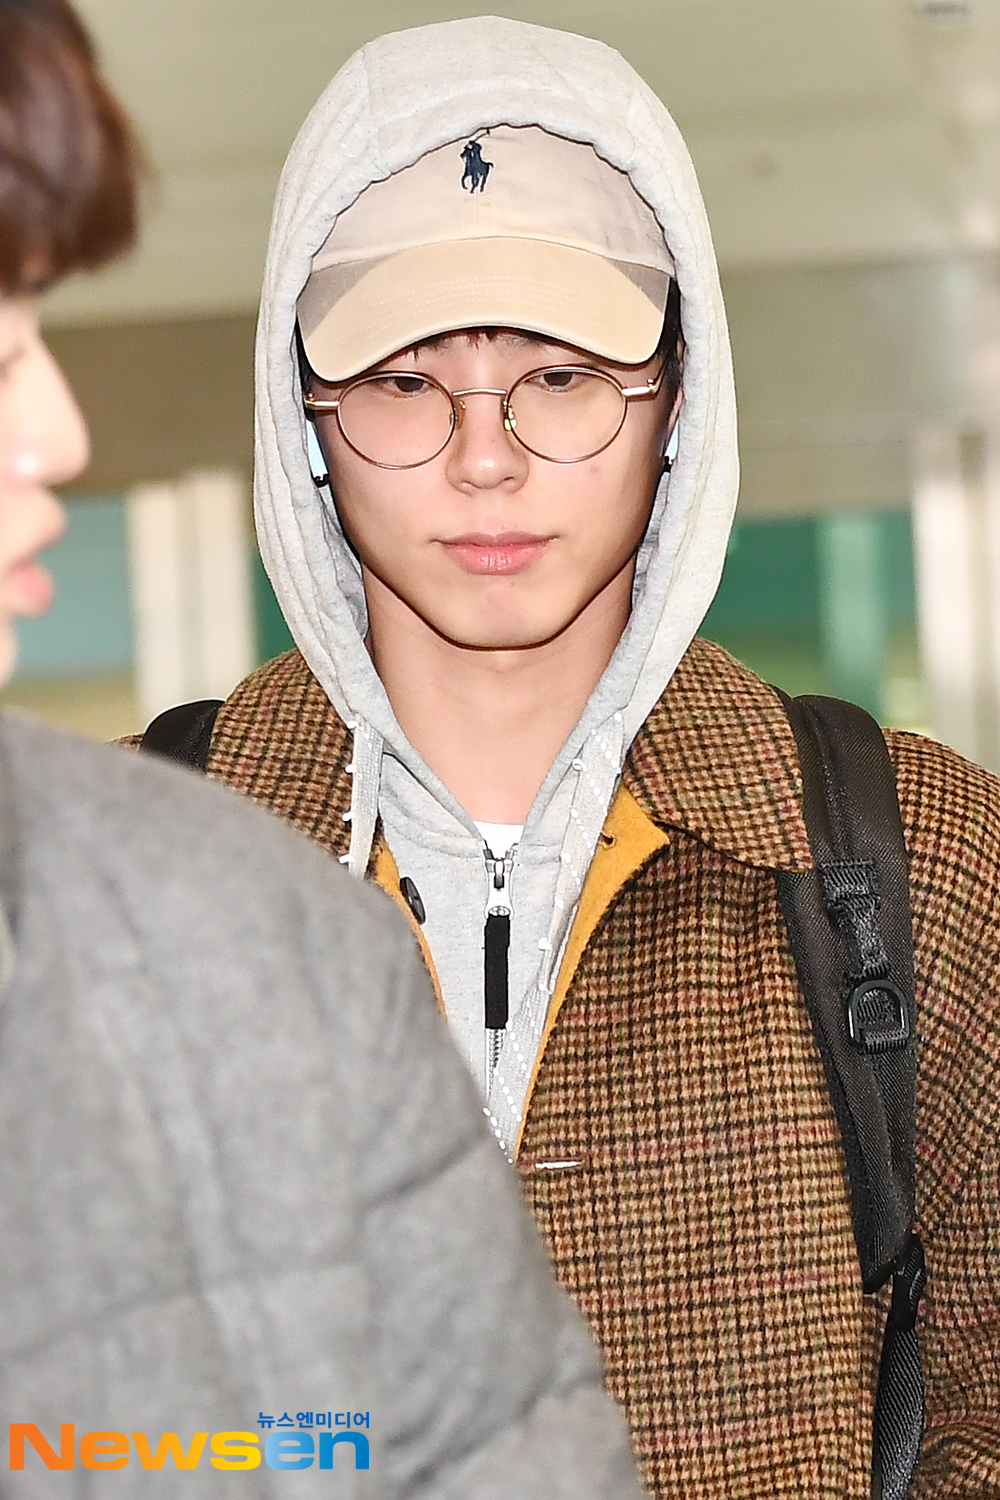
{"points": [[703, 1224]]}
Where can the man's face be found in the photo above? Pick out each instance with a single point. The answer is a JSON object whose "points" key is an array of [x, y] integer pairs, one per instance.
{"points": [[486, 545]]}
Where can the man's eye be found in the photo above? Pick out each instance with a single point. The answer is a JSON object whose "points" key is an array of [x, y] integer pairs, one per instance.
{"points": [[564, 379], [394, 385]]}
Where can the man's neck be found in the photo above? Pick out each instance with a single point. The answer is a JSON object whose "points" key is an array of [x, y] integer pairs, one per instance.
{"points": [[490, 723]]}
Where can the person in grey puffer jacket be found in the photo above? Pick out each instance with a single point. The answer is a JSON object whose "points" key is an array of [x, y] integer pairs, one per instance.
{"points": [[243, 1174], [250, 1215]]}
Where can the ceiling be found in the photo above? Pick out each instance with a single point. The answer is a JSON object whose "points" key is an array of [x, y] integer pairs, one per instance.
{"points": [[825, 132]]}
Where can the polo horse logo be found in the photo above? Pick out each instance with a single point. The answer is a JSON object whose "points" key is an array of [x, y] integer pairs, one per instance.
{"points": [[476, 170]]}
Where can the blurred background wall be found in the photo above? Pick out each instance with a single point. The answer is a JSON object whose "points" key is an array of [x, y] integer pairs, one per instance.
{"points": [[849, 152]]}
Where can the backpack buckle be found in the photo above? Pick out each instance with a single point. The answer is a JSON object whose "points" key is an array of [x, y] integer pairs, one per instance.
{"points": [[877, 1016]]}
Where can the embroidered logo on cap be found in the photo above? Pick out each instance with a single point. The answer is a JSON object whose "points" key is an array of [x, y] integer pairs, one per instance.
{"points": [[476, 169]]}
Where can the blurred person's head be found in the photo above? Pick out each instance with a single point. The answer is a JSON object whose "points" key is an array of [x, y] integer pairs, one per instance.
{"points": [[68, 168]]}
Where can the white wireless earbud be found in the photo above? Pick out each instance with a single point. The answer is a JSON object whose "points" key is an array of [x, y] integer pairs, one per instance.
{"points": [[670, 448], [317, 463]]}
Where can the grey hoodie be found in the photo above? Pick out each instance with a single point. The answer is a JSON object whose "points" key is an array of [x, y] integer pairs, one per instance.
{"points": [[395, 99]]}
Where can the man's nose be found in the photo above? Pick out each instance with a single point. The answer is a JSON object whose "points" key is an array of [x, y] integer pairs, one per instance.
{"points": [[56, 447], [483, 453]]}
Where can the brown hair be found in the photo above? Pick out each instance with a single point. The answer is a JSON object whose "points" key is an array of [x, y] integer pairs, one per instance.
{"points": [[69, 162]]}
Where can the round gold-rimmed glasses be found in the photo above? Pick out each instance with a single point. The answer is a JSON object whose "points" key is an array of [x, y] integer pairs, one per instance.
{"points": [[399, 419]]}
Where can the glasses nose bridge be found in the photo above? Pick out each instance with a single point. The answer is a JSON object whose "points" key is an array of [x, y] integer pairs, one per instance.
{"points": [[458, 401]]}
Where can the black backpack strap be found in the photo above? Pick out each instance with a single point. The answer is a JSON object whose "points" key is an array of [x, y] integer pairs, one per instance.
{"points": [[184, 733], [850, 929]]}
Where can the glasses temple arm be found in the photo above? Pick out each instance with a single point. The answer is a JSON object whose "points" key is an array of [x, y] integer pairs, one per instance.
{"points": [[651, 388]]}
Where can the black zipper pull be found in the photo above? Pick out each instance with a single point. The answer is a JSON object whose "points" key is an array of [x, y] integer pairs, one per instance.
{"points": [[495, 985], [496, 945]]}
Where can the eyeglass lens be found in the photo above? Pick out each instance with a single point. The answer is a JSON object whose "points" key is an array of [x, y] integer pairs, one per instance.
{"points": [[400, 420]]}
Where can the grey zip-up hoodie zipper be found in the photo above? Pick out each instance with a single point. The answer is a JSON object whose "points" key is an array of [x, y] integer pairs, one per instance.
{"points": [[395, 99]]}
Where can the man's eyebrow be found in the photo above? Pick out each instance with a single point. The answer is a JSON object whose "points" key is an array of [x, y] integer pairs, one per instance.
{"points": [[476, 335]]}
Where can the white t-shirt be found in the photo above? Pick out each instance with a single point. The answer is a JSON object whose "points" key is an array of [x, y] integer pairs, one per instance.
{"points": [[500, 836]]}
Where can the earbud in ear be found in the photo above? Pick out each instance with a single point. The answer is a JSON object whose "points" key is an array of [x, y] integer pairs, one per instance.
{"points": [[317, 463], [670, 449]]}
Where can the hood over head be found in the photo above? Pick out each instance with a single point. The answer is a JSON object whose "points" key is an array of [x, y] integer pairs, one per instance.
{"points": [[398, 98]]}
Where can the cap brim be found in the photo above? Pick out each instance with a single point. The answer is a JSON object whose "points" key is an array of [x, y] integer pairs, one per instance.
{"points": [[350, 322]]}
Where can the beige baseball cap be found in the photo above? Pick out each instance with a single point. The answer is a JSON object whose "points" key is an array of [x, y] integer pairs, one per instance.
{"points": [[513, 227]]}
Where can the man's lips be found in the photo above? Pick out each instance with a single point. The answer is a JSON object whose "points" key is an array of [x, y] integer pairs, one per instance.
{"points": [[27, 587], [510, 552]]}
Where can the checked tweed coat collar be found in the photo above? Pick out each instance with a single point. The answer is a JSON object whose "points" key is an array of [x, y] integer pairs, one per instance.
{"points": [[680, 1152]]}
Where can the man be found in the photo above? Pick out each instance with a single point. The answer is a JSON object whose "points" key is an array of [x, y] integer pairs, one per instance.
{"points": [[244, 1182], [486, 239]]}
